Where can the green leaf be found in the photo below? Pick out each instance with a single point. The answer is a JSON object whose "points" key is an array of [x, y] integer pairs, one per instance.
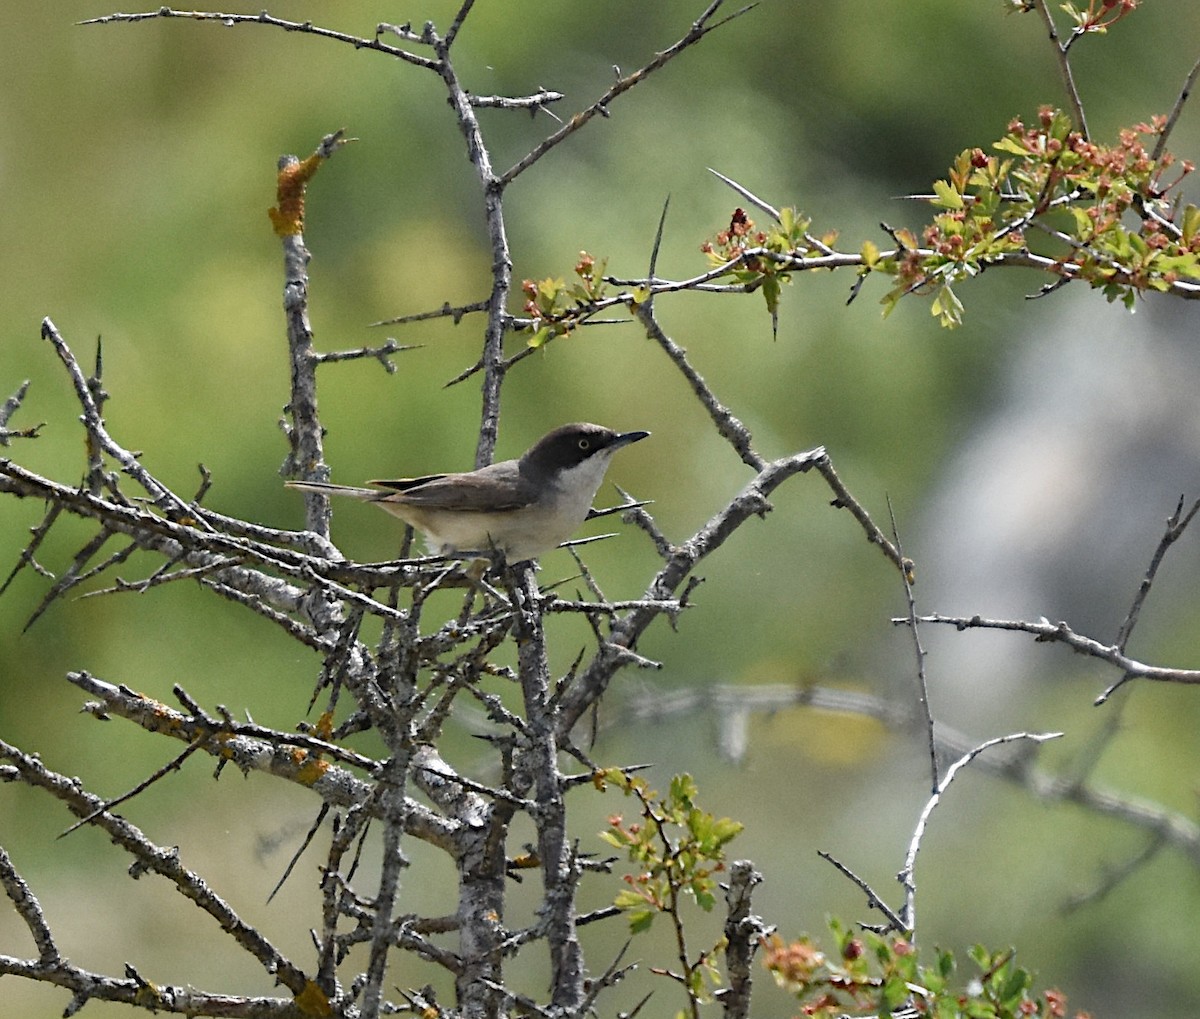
{"points": [[640, 921], [945, 964], [726, 829], [1016, 985], [683, 789], [947, 308], [1191, 223], [628, 899], [980, 956], [1084, 226], [541, 337], [892, 993], [1011, 145], [947, 197]]}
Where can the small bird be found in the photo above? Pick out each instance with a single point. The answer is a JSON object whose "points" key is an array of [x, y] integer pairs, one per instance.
{"points": [[519, 507]]}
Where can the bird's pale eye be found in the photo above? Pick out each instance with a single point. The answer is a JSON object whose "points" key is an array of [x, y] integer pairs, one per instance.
{"points": [[584, 444]]}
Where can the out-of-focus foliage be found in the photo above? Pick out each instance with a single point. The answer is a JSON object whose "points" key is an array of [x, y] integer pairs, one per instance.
{"points": [[870, 973]]}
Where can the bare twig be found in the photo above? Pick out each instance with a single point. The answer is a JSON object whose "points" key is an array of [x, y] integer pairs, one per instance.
{"points": [[73, 575], [751, 501], [634, 513], [1173, 118], [1064, 65], [172, 765], [394, 806], [874, 899], [29, 909], [730, 428], [381, 353], [540, 99], [1178, 830], [699, 29], [1115, 875], [166, 500], [539, 760], [263, 18], [906, 576], [8, 409], [306, 436], [293, 757], [747, 194], [1044, 630], [454, 313], [844, 500], [907, 877], [1176, 524], [457, 24], [728, 425], [155, 859], [492, 187], [38, 535]]}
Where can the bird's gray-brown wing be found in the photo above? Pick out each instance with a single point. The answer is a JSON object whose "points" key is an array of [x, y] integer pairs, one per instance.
{"points": [[405, 484], [492, 489]]}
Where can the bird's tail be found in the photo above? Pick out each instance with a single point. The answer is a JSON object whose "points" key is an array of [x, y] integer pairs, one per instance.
{"points": [[324, 488]]}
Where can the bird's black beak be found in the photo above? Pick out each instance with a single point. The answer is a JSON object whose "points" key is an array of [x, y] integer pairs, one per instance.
{"points": [[628, 438]]}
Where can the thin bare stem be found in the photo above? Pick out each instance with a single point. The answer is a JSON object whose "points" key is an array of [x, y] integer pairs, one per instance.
{"points": [[1173, 118], [907, 876], [906, 576], [874, 899], [700, 28], [728, 425], [263, 18], [1044, 630], [492, 357], [1176, 524], [1064, 66], [29, 909], [172, 765]]}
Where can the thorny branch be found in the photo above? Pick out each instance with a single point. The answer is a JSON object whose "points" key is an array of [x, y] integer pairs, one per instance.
{"points": [[246, 560], [278, 573], [1045, 631], [263, 18], [700, 28], [150, 858]]}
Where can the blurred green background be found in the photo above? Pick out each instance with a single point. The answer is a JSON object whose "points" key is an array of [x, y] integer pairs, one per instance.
{"points": [[1031, 456]]}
